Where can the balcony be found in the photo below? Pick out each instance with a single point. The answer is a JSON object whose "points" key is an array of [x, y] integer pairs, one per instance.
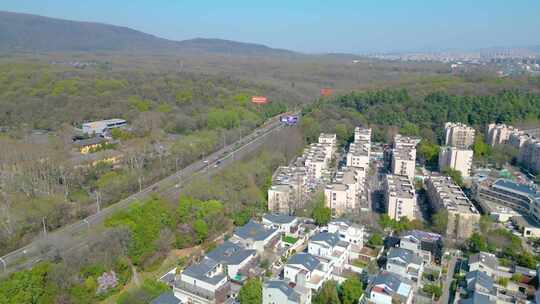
{"points": [[219, 296]]}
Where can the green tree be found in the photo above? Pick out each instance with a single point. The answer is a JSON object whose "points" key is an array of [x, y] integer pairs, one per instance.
{"points": [[480, 147], [440, 221], [321, 214], [375, 239], [429, 152], [351, 290], [477, 243], [311, 128], [201, 229], [455, 175], [327, 295], [251, 292], [434, 290]]}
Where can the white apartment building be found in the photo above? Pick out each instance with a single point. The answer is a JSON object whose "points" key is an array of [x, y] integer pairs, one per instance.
{"points": [[458, 135], [400, 197], [456, 158], [529, 155], [342, 195], [359, 150], [404, 156], [289, 190], [463, 217], [499, 134]]}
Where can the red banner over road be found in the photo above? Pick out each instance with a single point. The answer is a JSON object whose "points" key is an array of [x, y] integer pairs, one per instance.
{"points": [[259, 99]]}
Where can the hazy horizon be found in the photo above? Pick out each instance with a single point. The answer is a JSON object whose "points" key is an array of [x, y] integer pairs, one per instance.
{"points": [[317, 27]]}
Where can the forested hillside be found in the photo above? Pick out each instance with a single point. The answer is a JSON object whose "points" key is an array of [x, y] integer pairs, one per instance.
{"points": [[174, 119]]}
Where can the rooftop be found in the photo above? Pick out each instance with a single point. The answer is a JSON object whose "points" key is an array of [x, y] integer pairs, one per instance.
{"points": [[253, 231], [399, 255], [399, 186], [203, 271], [284, 288], [166, 298], [522, 189], [331, 239], [485, 258], [279, 218], [304, 259], [230, 254], [451, 196], [391, 284], [423, 235]]}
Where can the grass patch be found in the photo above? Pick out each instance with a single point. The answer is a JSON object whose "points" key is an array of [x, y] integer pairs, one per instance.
{"points": [[289, 239]]}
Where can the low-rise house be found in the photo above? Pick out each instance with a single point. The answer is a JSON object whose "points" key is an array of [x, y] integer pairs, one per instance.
{"points": [[480, 282], [283, 223], [277, 292], [307, 270], [328, 245], [166, 298], [88, 145], [405, 263], [428, 245], [484, 262], [347, 231], [255, 236], [205, 282], [234, 257], [388, 288], [477, 298]]}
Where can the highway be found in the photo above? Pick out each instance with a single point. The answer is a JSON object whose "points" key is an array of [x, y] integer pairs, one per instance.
{"points": [[75, 235]]}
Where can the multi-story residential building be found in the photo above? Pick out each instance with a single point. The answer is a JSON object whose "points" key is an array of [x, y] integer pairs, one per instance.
{"points": [[286, 224], [458, 135], [463, 217], [359, 150], [329, 246], [499, 134], [484, 262], [342, 196], [255, 236], [347, 231], [289, 190], [328, 139], [456, 158], [205, 282], [400, 197], [403, 160], [480, 284], [278, 291], [517, 139], [529, 155], [405, 263], [427, 245], [388, 288]]}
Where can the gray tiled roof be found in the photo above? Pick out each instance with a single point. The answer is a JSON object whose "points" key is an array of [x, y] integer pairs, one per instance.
{"points": [[478, 279], [392, 282], [422, 235], [279, 218], [284, 288], [523, 189], [332, 239], [166, 298], [487, 259], [253, 231], [477, 298], [305, 259], [408, 256], [200, 271], [230, 254]]}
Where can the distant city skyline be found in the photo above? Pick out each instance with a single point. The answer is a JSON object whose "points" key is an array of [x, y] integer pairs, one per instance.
{"points": [[316, 26]]}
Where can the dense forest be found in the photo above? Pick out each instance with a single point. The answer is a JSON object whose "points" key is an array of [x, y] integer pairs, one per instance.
{"points": [[174, 119], [390, 111]]}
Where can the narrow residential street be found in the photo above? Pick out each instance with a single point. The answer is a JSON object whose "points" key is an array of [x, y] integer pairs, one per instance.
{"points": [[448, 281]]}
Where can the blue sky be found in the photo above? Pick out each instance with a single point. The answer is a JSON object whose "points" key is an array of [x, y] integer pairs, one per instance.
{"points": [[315, 26]]}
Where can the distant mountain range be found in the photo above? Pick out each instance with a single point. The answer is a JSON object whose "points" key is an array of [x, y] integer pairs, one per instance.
{"points": [[32, 33]]}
